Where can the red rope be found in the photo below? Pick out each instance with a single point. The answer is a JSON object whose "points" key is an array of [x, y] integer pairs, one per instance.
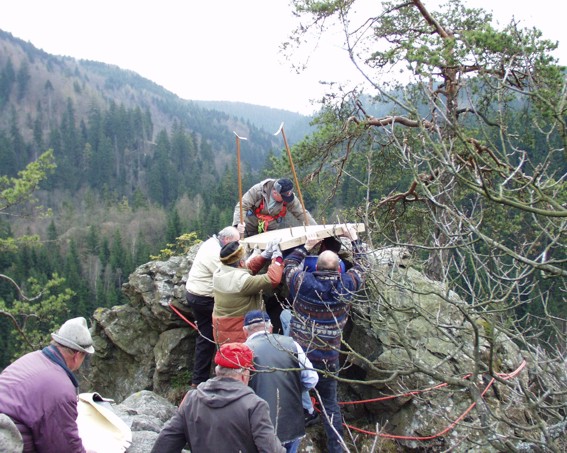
{"points": [[183, 317], [400, 395], [505, 376]]}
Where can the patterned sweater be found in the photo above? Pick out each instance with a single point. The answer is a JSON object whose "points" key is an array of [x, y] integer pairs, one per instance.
{"points": [[321, 305]]}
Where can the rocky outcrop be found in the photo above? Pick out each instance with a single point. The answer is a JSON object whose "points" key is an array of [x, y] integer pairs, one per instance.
{"points": [[408, 334], [145, 345], [144, 413]]}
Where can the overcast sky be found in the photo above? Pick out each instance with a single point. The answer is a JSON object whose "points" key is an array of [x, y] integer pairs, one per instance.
{"points": [[214, 50]]}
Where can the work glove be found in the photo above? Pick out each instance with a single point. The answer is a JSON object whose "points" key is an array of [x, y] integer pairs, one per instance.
{"points": [[277, 253], [350, 233], [270, 248], [311, 240]]}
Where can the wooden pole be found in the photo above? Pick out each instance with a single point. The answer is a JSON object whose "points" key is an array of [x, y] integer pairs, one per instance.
{"points": [[238, 138], [281, 129]]}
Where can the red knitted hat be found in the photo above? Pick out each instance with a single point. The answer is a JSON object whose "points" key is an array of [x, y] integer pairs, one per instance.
{"points": [[235, 355]]}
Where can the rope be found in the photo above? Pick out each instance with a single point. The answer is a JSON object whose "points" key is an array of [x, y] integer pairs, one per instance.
{"points": [[505, 376], [183, 317], [399, 395]]}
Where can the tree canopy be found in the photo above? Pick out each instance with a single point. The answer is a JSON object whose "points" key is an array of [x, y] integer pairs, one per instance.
{"points": [[454, 147]]}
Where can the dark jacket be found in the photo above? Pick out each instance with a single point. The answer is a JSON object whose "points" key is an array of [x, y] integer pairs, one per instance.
{"points": [[321, 305], [38, 395], [281, 389], [220, 415]]}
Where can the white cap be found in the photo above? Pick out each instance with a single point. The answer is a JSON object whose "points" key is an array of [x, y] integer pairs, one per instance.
{"points": [[75, 334]]}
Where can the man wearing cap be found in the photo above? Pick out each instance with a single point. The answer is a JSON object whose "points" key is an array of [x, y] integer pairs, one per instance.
{"points": [[321, 306], [222, 414], [39, 391], [283, 372], [199, 296], [238, 288], [266, 204]]}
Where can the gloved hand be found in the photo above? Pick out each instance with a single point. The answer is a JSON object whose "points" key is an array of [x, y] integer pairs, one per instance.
{"points": [[350, 232], [277, 253], [270, 247], [311, 240], [240, 228]]}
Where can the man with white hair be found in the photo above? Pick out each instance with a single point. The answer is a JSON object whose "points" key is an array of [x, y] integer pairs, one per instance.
{"points": [[39, 391], [222, 414], [321, 306], [199, 296]]}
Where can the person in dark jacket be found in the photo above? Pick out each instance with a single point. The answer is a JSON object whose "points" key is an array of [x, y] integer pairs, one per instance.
{"points": [[283, 372], [39, 391], [222, 414], [321, 305]]}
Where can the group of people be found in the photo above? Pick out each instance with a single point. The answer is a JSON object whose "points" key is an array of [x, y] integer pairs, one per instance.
{"points": [[259, 398], [225, 290]]}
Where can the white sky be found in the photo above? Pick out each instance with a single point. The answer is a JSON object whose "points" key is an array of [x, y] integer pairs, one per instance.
{"points": [[215, 50]]}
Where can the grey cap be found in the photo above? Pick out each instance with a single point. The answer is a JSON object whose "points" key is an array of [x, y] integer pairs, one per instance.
{"points": [[75, 334]]}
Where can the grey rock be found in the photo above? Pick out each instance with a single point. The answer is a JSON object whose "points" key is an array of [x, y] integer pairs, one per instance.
{"points": [[142, 442], [148, 403], [144, 356]]}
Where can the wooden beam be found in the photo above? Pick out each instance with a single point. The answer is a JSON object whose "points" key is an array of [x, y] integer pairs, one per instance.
{"points": [[296, 236]]}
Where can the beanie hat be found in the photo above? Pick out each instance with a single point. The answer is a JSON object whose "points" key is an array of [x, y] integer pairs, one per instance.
{"points": [[232, 253], [284, 187], [75, 334], [256, 316], [234, 355]]}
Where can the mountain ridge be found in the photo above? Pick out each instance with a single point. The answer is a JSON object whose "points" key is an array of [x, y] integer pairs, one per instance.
{"points": [[45, 80]]}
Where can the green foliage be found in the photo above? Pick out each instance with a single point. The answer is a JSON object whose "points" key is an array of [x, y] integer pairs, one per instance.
{"points": [[466, 158], [181, 246], [34, 317], [17, 190]]}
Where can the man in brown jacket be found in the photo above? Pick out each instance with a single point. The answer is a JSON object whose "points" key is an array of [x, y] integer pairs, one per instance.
{"points": [[238, 288], [266, 204]]}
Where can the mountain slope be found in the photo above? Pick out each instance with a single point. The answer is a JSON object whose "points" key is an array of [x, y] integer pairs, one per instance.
{"points": [[36, 89]]}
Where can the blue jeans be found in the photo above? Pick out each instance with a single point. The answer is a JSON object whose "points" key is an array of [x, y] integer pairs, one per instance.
{"points": [[285, 319], [292, 446], [327, 388]]}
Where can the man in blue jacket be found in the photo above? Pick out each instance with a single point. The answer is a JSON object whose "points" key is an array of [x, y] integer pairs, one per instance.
{"points": [[321, 305]]}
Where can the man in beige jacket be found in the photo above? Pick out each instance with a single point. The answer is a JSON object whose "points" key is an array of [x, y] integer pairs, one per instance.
{"points": [[238, 288]]}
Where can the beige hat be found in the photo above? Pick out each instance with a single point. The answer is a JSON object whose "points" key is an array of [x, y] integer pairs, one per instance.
{"points": [[75, 334]]}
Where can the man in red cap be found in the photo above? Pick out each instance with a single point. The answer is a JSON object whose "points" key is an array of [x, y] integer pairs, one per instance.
{"points": [[266, 204], [223, 413]]}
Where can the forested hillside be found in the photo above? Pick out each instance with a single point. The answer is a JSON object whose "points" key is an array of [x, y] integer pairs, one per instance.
{"points": [[135, 167]]}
